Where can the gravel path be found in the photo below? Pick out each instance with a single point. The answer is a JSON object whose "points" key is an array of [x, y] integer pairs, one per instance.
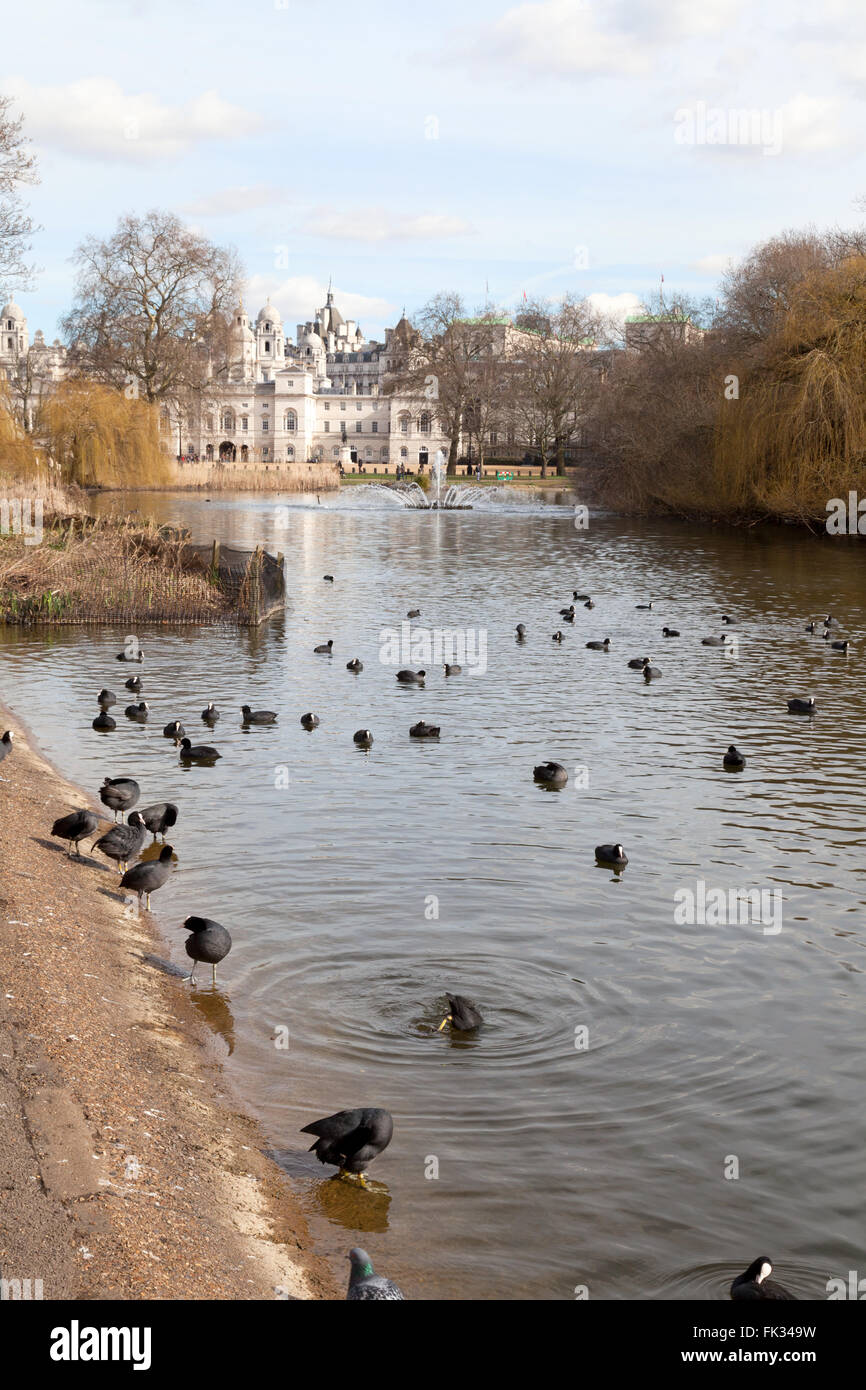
{"points": [[126, 1168]]}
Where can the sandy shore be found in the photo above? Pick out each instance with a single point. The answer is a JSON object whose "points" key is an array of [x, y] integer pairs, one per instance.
{"points": [[127, 1169]]}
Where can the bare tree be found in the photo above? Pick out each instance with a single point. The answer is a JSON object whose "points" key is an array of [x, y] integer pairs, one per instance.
{"points": [[443, 362], [17, 167], [552, 373], [152, 309]]}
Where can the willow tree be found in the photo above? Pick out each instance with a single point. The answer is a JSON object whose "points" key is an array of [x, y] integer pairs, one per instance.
{"points": [[100, 438], [18, 458], [152, 308], [797, 434]]}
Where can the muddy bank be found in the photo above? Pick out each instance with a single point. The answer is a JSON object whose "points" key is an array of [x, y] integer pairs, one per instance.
{"points": [[127, 1170]]}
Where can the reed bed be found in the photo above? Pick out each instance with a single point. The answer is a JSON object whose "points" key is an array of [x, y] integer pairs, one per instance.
{"points": [[86, 570]]}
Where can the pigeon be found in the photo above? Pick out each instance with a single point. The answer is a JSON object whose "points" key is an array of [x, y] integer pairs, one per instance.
{"points": [[364, 1283]]}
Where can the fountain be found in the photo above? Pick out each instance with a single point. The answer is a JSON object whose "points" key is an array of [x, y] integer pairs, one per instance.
{"points": [[411, 494]]}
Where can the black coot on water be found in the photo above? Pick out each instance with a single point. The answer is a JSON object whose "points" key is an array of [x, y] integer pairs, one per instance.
{"points": [[159, 817], [351, 1139], [198, 753], [755, 1283], [463, 1014], [208, 942], [258, 716]]}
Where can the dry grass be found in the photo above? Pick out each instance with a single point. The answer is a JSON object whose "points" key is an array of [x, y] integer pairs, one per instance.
{"points": [[87, 571]]}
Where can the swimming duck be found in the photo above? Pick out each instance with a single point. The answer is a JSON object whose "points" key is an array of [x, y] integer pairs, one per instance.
{"points": [[462, 1015], [258, 716], [734, 760], [614, 855], [423, 730], [800, 706], [201, 753], [756, 1283], [599, 646], [310, 721], [550, 774]]}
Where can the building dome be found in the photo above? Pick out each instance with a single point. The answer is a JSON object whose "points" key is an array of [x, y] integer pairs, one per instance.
{"points": [[269, 314], [241, 331], [312, 340], [12, 311]]}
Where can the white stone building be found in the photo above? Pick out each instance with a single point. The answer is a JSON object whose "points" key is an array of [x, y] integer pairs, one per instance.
{"points": [[320, 398]]}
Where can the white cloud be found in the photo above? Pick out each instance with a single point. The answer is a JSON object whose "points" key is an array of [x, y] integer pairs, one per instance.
{"points": [[812, 125], [95, 119], [565, 38], [616, 307], [299, 296], [243, 198], [377, 224], [712, 265]]}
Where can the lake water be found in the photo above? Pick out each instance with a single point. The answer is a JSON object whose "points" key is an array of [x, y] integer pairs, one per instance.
{"points": [[524, 1163]]}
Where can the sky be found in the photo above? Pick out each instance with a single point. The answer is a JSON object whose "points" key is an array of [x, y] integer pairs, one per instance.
{"points": [[494, 149]]}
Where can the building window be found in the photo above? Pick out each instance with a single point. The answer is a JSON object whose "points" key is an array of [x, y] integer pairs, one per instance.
{"points": [[265, 426], [336, 452], [245, 424], [327, 405], [494, 437], [265, 454], [327, 426], [228, 422], [342, 405], [424, 423], [210, 422], [267, 346], [404, 453], [375, 427], [290, 421], [290, 453], [358, 406], [359, 426], [404, 424]]}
